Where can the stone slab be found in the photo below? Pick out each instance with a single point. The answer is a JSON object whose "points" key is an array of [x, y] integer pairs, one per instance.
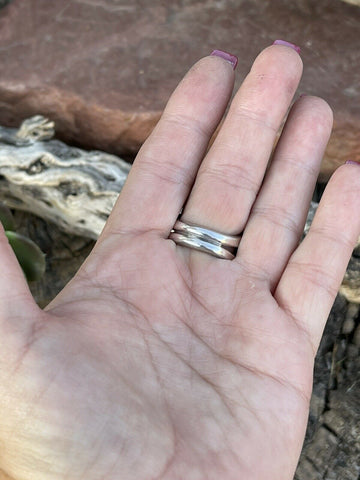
{"points": [[103, 69]]}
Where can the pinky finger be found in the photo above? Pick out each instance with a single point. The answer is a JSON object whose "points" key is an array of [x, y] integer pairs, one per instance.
{"points": [[312, 277]]}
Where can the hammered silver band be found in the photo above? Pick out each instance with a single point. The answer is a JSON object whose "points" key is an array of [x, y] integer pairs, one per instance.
{"points": [[205, 240]]}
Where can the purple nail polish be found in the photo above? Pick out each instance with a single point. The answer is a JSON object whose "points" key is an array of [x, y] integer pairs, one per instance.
{"points": [[288, 44], [232, 59], [352, 162]]}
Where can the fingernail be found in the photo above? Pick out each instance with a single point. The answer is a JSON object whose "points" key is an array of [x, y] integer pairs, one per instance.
{"points": [[288, 44], [352, 162], [232, 59]]}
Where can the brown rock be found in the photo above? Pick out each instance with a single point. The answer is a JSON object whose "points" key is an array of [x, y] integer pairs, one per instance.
{"points": [[77, 122], [104, 70]]}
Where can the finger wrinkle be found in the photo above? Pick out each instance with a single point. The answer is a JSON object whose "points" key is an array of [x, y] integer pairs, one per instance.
{"points": [[171, 173], [252, 114], [278, 216], [296, 164], [195, 126], [332, 234], [230, 175]]}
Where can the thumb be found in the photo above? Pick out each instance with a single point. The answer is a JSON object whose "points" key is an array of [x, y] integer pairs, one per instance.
{"points": [[17, 306], [13, 284]]}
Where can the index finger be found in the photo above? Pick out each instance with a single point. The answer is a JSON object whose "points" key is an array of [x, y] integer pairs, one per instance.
{"points": [[164, 170]]}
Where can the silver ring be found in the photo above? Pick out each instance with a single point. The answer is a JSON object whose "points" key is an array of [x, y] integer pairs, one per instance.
{"points": [[205, 240]]}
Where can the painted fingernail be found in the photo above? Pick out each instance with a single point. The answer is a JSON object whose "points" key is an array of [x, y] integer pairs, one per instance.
{"points": [[288, 44], [352, 162], [232, 59]]}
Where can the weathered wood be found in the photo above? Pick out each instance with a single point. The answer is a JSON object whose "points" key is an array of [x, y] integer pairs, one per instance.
{"points": [[72, 187]]}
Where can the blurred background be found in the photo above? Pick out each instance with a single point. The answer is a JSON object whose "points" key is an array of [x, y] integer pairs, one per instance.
{"points": [[103, 70]]}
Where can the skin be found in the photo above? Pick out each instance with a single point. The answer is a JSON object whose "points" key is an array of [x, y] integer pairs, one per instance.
{"points": [[160, 362]]}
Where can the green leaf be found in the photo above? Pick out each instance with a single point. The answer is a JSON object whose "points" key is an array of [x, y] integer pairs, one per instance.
{"points": [[29, 255], [6, 217]]}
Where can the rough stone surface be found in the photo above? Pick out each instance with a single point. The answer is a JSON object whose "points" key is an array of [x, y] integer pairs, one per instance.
{"points": [[104, 69]]}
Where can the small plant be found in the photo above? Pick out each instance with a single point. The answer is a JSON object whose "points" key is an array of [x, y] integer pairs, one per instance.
{"points": [[29, 255]]}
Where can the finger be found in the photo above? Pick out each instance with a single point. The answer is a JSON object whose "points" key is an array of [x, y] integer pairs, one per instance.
{"points": [[165, 167], [13, 284], [278, 216], [17, 306], [310, 282], [231, 174]]}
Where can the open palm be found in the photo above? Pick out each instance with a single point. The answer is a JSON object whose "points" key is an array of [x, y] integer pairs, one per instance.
{"points": [[161, 362]]}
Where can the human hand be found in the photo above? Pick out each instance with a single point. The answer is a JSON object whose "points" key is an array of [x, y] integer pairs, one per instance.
{"points": [[161, 362]]}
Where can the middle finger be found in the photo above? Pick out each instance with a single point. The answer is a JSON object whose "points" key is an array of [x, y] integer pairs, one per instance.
{"points": [[231, 173]]}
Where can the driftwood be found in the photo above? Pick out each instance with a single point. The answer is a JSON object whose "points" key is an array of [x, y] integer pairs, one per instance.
{"points": [[72, 187]]}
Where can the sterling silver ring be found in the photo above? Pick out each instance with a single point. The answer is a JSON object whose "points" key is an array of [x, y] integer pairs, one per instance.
{"points": [[205, 240]]}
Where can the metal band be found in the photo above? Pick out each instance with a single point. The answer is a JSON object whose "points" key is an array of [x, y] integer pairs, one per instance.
{"points": [[201, 245], [207, 234], [205, 240]]}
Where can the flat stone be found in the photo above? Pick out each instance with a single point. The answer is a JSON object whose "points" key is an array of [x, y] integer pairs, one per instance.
{"points": [[103, 69]]}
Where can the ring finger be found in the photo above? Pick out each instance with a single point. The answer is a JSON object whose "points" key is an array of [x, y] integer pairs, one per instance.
{"points": [[278, 215], [231, 174]]}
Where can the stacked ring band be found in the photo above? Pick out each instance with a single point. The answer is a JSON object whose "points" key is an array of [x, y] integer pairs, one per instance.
{"points": [[205, 240]]}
